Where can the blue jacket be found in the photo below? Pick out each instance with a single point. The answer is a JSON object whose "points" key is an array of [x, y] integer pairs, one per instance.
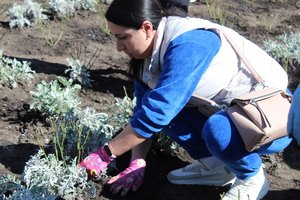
{"points": [[183, 68]]}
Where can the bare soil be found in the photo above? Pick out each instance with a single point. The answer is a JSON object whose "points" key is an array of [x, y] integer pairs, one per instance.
{"points": [[22, 130]]}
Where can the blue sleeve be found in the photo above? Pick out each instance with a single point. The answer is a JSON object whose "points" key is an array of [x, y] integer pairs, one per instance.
{"points": [[294, 116], [185, 61], [140, 89]]}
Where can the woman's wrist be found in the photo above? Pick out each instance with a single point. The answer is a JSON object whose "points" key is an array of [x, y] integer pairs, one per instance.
{"points": [[108, 150], [125, 141]]}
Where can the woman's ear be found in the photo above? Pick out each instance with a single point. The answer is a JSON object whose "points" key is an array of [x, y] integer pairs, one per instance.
{"points": [[148, 28]]}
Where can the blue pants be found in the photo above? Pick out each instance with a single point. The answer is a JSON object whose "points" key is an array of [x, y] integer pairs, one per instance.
{"points": [[203, 137]]}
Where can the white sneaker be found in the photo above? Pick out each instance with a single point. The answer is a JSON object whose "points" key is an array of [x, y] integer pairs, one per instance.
{"points": [[254, 188], [197, 173]]}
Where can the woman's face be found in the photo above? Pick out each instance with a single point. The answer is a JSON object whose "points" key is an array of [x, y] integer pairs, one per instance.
{"points": [[135, 43]]}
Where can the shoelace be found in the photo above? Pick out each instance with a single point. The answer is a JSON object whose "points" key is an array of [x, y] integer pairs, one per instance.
{"points": [[196, 164]]}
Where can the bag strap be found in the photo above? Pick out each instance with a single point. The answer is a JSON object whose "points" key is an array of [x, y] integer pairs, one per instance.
{"points": [[205, 101], [242, 56]]}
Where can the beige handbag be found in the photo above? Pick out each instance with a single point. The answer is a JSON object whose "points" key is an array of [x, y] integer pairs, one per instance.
{"points": [[259, 116]]}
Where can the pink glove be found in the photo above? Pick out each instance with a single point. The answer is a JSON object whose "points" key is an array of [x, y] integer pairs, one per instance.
{"points": [[131, 178], [96, 162]]}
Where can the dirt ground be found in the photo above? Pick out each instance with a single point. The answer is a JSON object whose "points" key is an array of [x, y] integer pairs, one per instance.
{"points": [[22, 131]]}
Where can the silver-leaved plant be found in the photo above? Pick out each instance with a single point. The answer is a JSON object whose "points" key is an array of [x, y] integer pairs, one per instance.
{"points": [[79, 132], [56, 97], [285, 49], [86, 5], [62, 8], [47, 178], [125, 108], [25, 14], [79, 71], [57, 178], [12, 71]]}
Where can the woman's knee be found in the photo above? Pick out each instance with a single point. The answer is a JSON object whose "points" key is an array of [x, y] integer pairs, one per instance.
{"points": [[217, 132]]}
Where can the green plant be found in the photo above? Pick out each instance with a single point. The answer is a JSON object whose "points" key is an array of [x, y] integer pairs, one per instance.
{"points": [[2, 36], [51, 38], [81, 131], [57, 97], [273, 1], [78, 132], [3, 8], [250, 1], [79, 69], [125, 111], [270, 21], [102, 21], [79, 51], [162, 142], [217, 10], [278, 1]]}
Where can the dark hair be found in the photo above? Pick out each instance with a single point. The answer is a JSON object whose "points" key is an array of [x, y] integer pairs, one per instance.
{"points": [[132, 13], [176, 7]]}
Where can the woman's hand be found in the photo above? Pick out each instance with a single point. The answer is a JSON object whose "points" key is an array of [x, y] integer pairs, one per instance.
{"points": [[96, 162], [129, 179], [294, 116]]}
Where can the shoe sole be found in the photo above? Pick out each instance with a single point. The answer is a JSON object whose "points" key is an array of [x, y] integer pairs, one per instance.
{"points": [[199, 182]]}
